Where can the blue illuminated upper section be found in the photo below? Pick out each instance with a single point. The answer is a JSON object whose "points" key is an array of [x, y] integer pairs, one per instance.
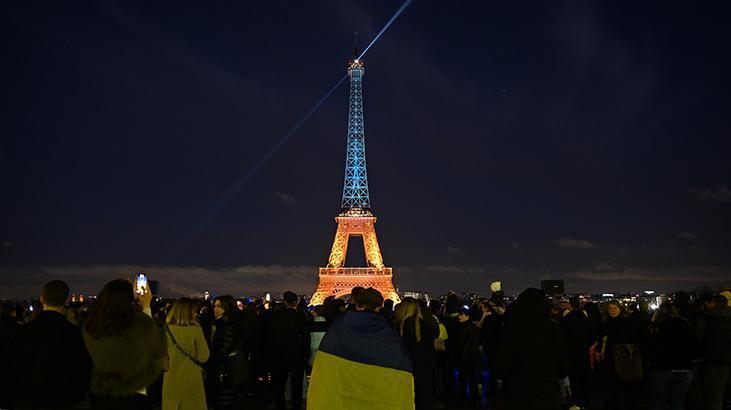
{"points": [[355, 189]]}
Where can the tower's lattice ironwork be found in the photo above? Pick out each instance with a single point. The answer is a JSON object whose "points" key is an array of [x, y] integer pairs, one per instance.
{"points": [[355, 217], [355, 188]]}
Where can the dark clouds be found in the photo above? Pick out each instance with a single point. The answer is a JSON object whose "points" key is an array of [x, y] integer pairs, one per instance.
{"points": [[505, 141]]}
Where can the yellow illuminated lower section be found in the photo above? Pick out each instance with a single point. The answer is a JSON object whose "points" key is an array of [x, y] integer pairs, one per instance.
{"points": [[337, 280]]}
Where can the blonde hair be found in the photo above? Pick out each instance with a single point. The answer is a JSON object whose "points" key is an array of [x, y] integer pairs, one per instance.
{"points": [[181, 314], [409, 307]]}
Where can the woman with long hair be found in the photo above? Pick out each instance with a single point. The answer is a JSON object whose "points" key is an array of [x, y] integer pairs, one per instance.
{"points": [[127, 348], [182, 386], [418, 336], [616, 334], [227, 367]]}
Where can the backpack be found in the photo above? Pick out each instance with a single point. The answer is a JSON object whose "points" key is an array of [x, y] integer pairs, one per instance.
{"points": [[627, 362]]}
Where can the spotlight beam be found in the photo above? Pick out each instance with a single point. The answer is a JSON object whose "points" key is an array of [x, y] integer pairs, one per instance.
{"points": [[388, 24], [213, 210], [237, 186]]}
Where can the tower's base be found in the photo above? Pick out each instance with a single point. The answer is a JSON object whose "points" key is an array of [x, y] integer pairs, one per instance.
{"points": [[339, 282]]}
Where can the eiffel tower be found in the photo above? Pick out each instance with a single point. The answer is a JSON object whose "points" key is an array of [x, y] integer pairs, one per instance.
{"points": [[355, 218]]}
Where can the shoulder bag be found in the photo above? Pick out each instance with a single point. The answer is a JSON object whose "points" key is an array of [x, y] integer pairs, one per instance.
{"points": [[184, 353]]}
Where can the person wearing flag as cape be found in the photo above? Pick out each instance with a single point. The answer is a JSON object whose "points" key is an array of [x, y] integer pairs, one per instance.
{"points": [[362, 362]]}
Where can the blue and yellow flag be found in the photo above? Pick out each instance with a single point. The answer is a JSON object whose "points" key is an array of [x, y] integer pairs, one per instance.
{"points": [[361, 364]]}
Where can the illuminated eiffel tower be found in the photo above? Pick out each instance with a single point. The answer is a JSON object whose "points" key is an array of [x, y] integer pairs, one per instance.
{"points": [[355, 218]]}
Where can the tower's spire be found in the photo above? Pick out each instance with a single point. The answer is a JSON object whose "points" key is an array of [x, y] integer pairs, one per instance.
{"points": [[355, 188], [355, 45]]}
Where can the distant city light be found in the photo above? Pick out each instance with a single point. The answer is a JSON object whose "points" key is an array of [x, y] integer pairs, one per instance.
{"points": [[608, 295]]}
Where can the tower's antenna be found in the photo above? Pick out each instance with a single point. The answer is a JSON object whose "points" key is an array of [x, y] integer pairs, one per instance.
{"points": [[355, 44]]}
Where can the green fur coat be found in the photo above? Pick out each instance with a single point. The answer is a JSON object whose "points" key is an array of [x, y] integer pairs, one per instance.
{"points": [[129, 361]]}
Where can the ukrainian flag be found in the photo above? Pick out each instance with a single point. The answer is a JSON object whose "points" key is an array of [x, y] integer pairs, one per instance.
{"points": [[361, 364]]}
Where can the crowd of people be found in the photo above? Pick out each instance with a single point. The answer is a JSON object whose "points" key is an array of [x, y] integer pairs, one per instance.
{"points": [[124, 351]]}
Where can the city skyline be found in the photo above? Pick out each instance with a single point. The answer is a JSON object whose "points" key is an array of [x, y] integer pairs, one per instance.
{"points": [[587, 143]]}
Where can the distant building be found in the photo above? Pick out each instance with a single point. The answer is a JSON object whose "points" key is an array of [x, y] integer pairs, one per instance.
{"points": [[412, 294]]}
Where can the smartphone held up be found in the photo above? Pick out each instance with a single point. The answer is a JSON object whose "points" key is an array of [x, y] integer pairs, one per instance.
{"points": [[141, 283]]}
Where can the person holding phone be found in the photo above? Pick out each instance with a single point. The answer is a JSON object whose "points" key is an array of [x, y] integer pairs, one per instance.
{"points": [[127, 347]]}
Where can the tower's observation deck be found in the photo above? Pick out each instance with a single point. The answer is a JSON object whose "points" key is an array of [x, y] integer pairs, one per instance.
{"points": [[355, 218]]}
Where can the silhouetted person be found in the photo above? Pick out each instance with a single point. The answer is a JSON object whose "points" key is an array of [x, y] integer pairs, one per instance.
{"points": [[533, 355], [671, 348], [616, 334], [492, 324], [451, 323], [387, 310], [128, 348], [579, 338], [289, 343], [361, 363], [49, 367], [8, 328], [318, 328], [352, 306], [228, 369], [714, 329], [467, 357], [418, 331]]}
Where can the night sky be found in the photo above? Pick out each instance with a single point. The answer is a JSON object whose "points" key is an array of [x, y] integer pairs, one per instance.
{"points": [[518, 141]]}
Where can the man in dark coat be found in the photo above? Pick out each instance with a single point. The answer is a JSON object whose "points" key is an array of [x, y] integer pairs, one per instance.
{"points": [[533, 355], [49, 367], [289, 343], [451, 324], [467, 351], [580, 337]]}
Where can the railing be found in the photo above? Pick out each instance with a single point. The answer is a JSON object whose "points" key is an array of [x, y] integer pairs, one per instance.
{"points": [[356, 271]]}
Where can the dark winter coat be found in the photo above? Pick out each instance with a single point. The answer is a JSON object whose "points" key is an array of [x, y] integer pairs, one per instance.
{"points": [[616, 330], [227, 340], [714, 329], [533, 355], [288, 334], [49, 366], [421, 354], [468, 342], [129, 361], [8, 328], [672, 345], [451, 323], [490, 334], [579, 337]]}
